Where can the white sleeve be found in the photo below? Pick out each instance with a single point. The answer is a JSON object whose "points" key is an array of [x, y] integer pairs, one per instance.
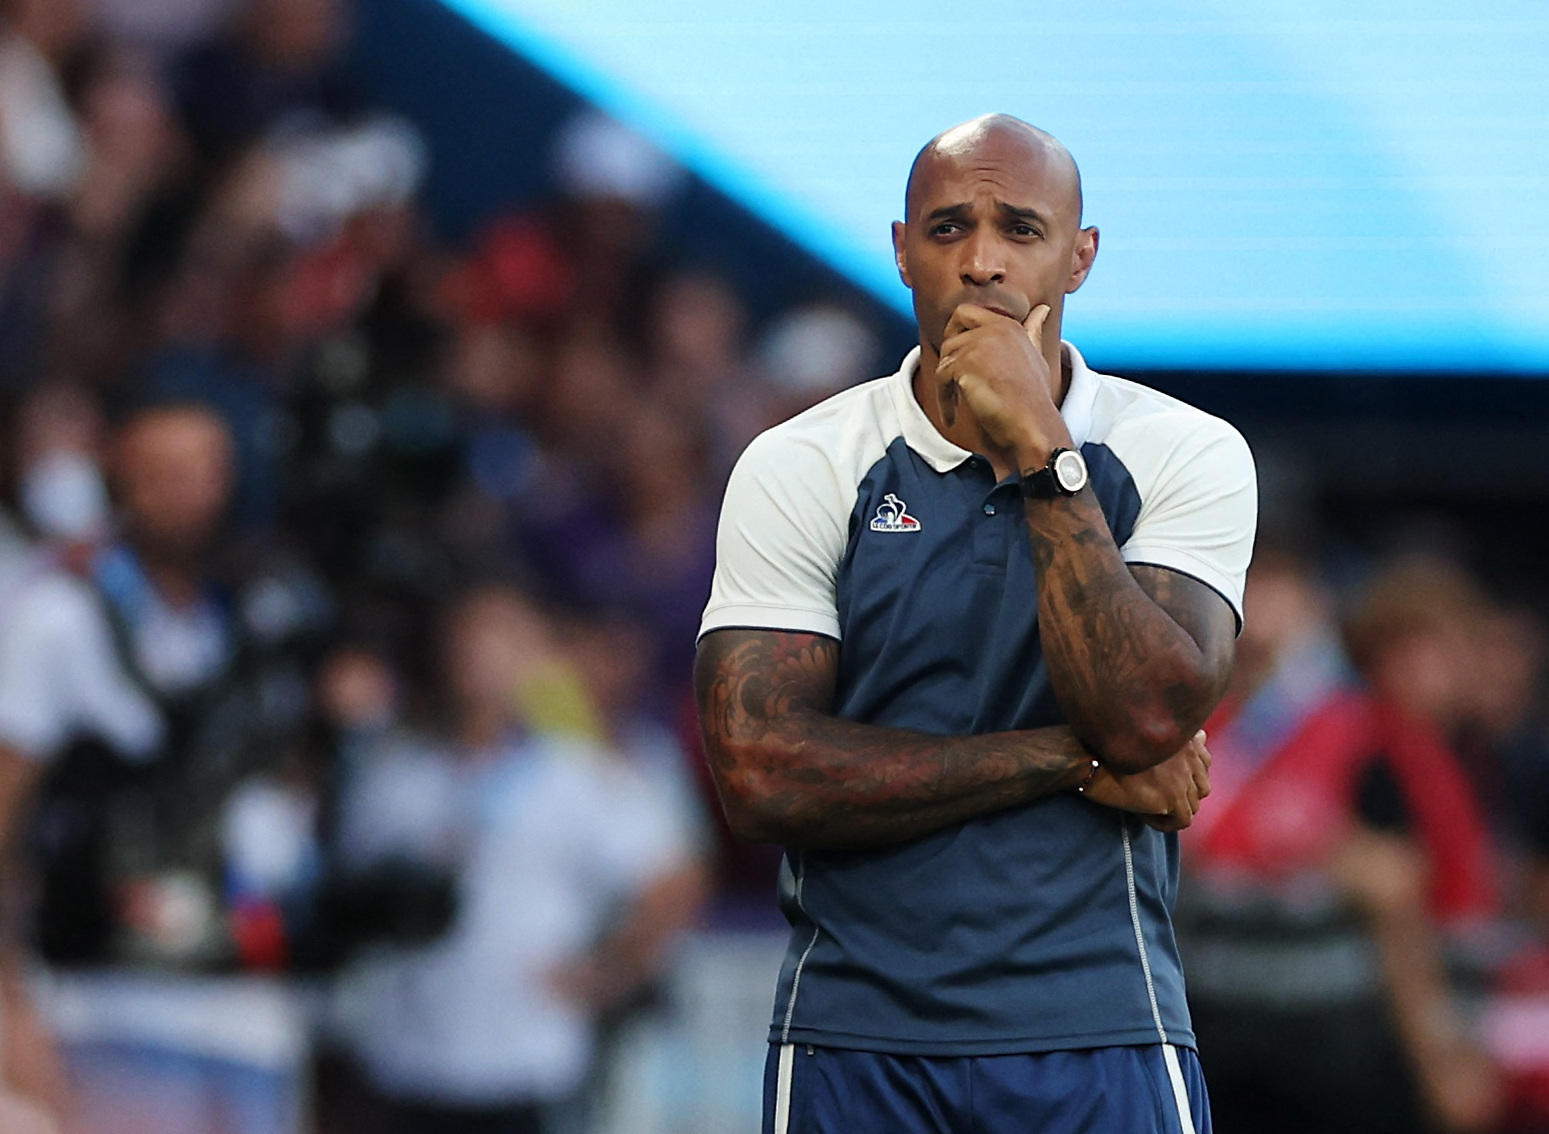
{"points": [[1199, 504], [783, 529], [60, 676]]}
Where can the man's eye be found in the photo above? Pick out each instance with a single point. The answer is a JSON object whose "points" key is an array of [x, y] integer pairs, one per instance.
{"points": [[1024, 231], [945, 228]]}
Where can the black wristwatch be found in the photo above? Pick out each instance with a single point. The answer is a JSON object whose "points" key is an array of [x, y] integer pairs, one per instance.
{"points": [[1064, 475]]}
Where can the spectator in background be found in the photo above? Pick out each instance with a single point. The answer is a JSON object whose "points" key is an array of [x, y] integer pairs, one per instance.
{"points": [[58, 450], [494, 373], [297, 250], [162, 27], [42, 150], [43, 159], [32, 1089], [25, 254], [612, 185], [281, 59], [811, 352], [564, 523], [616, 663], [696, 362], [1341, 841], [588, 256], [663, 544], [138, 701], [1504, 739], [569, 892], [1497, 721], [117, 227]]}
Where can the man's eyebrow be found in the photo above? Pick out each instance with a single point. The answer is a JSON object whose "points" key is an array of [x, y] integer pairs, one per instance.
{"points": [[1021, 212], [1005, 209], [948, 212]]}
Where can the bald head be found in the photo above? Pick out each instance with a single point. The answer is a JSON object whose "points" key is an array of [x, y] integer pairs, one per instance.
{"points": [[989, 131]]}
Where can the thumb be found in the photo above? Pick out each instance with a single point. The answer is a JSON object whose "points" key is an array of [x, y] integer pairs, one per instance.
{"points": [[1033, 325]]}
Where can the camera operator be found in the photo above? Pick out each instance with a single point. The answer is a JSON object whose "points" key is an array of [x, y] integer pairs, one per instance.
{"points": [[139, 700]]}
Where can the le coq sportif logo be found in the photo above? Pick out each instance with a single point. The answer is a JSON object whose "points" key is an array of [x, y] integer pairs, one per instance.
{"points": [[893, 516]]}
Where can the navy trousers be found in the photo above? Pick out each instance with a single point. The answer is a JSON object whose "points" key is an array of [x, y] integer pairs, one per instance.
{"points": [[1153, 1089]]}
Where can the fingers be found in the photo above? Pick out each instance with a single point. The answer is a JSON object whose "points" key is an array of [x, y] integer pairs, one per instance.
{"points": [[1181, 815], [967, 316], [1033, 325], [1201, 771]]}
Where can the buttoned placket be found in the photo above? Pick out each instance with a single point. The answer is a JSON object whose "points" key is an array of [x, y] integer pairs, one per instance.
{"points": [[998, 515]]}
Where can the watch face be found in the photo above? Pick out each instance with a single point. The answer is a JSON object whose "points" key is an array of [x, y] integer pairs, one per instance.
{"points": [[1070, 471]]}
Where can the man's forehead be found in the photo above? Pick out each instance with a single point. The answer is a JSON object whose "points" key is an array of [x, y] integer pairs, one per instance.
{"points": [[1026, 166]]}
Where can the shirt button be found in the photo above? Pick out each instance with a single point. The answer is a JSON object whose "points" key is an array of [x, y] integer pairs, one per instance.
{"points": [[989, 509]]}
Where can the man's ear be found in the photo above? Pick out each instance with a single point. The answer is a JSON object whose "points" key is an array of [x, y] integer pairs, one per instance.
{"points": [[1081, 258], [899, 230]]}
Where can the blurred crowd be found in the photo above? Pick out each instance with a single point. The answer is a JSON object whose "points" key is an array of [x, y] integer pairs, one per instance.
{"points": [[348, 590], [1365, 909]]}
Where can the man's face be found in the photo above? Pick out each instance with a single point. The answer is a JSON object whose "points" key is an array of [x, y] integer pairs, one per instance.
{"points": [[996, 222], [491, 642], [175, 477]]}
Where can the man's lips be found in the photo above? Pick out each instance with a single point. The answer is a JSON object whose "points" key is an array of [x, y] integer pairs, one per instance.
{"points": [[999, 302]]}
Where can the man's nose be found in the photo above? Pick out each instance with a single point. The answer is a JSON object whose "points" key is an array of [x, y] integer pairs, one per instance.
{"points": [[982, 261]]}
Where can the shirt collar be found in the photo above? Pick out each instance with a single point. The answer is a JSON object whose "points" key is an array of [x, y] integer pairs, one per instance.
{"points": [[1080, 397], [942, 455], [918, 431]]}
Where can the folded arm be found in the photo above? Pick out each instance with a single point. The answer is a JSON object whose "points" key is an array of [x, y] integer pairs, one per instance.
{"points": [[790, 771], [1138, 656]]}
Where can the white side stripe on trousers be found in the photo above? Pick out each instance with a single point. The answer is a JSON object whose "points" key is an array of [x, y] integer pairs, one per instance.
{"points": [[782, 1105], [1180, 1092]]}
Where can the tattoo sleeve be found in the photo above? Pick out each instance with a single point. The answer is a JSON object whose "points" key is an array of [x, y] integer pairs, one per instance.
{"points": [[790, 771], [1138, 657]]}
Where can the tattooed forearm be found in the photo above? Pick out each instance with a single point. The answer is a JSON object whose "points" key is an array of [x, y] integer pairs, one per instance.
{"points": [[1138, 657], [789, 771]]}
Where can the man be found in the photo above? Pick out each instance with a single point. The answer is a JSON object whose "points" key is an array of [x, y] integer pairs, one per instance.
{"points": [[134, 703], [965, 625], [574, 875]]}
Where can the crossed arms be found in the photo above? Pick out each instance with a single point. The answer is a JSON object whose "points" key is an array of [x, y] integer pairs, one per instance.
{"points": [[1138, 658]]}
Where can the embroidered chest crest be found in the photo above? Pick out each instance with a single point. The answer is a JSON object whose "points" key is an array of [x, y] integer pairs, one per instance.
{"points": [[893, 516]]}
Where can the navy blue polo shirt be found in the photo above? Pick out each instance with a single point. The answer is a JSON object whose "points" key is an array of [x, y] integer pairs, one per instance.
{"points": [[1042, 927]]}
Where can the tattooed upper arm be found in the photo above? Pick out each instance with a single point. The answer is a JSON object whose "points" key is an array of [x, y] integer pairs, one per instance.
{"points": [[749, 685], [1203, 614], [744, 678]]}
